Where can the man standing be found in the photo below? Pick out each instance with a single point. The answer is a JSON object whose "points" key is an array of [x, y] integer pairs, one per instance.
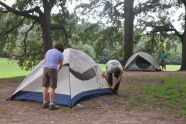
{"points": [[114, 69], [52, 63], [163, 60]]}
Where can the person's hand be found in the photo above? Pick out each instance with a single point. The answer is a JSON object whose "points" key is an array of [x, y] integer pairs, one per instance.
{"points": [[112, 87], [58, 69], [109, 86]]}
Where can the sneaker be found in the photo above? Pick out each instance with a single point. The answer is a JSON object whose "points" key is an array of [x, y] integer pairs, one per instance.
{"points": [[45, 105], [115, 92], [52, 107]]}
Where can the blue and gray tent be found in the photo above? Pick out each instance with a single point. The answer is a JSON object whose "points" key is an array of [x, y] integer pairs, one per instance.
{"points": [[80, 79]]}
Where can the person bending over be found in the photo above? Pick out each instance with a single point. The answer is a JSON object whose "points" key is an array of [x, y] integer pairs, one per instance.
{"points": [[114, 70]]}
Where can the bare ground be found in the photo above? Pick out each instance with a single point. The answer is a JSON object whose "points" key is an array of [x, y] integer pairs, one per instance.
{"points": [[104, 110]]}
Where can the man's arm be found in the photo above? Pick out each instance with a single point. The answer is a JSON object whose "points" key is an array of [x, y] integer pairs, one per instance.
{"points": [[44, 60], [60, 64], [116, 82]]}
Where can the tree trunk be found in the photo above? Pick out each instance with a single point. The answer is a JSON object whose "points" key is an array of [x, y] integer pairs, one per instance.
{"points": [[128, 29], [45, 22], [46, 35], [183, 63]]}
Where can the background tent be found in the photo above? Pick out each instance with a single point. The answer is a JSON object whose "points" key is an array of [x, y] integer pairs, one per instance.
{"points": [[79, 79], [142, 62]]}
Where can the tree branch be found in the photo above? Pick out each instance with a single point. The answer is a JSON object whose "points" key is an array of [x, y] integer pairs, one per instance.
{"points": [[166, 28], [3, 11], [59, 27], [118, 4], [19, 24], [52, 2], [46, 5], [36, 9], [21, 13], [145, 6], [176, 31], [24, 40]]}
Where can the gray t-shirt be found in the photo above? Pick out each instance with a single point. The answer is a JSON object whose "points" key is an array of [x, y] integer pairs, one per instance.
{"points": [[112, 64]]}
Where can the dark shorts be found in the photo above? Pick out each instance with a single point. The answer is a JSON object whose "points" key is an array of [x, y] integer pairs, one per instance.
{"points": [[163, 62], [50, 77]]}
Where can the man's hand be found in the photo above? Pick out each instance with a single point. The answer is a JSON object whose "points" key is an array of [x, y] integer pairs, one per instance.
{"points": [[60, 64], [109, 86], [58, 69]]}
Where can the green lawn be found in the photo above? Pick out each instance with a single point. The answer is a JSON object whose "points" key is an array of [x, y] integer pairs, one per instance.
{"points": [[169, 67], [9, 69], [173, 67]]}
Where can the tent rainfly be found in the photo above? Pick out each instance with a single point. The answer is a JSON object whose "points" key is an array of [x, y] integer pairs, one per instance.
{"points": [[142, 62], [80, 79]]}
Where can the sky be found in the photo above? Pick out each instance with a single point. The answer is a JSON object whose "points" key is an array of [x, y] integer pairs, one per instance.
{"points": [[71, 6]]}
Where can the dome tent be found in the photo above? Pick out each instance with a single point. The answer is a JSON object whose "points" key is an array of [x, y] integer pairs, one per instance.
{"points": [[142, 62], [79, 79]]}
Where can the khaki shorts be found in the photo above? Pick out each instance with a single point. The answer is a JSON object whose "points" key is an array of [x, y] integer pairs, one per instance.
{"points": [[50, 77]]}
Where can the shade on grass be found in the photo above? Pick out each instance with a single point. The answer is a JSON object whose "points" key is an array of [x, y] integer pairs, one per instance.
{"points": [[171, 94], [10, 68]]}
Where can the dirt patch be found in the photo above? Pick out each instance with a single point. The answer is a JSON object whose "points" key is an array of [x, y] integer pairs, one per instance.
{"points": [[110, 109]]}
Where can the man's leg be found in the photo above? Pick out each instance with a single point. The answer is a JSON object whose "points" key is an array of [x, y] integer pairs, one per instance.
{"points": [[164, 68], [53, 86], [116, 84], [52, 95], [52, 106], [116, 87], [110, 79], [45, 84], [161, 67], [45, 94]]}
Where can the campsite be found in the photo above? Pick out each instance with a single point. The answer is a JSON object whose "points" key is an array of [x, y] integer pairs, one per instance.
{"points": [[92, 62], [128, 107]]}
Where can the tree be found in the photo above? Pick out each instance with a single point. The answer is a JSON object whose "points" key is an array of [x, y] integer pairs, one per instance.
{"points": [[36, 14], [39, 12], [183, 40], [128, 35], [162, 25], [115, 12]]}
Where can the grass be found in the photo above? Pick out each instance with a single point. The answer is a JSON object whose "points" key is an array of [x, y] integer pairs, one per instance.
{"points": [[10, 69], [171, 94], [173, 67], [102, 66], [169, 67]]}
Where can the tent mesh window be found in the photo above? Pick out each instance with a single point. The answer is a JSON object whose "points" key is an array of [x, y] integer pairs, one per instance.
{"points": [[142, 63], [87, 75]]}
